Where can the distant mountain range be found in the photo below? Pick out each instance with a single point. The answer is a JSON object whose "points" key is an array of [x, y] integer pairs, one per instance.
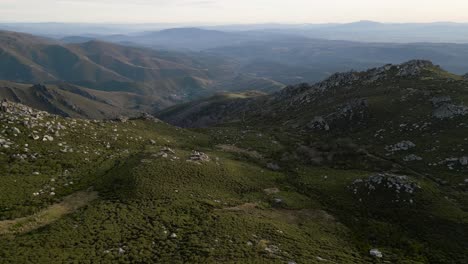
{"points": [[178, 65], [290, 57], [367, 31], [164, 77]]}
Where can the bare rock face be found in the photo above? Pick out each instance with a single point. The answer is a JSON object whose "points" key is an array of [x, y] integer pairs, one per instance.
{"points": [[413, 68], [447, 111], [444, 108], [339, 79]]}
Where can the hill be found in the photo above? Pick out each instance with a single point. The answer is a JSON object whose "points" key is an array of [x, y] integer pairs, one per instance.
{"points": [[365, 167], [164, 76], [405, 120], [74, 101], [136, 191]]}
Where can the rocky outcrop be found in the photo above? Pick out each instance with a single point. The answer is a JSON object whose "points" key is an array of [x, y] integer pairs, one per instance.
{"points": [[318, 123], [448, 111], [198, 157], [413, 68], [387, 186], [444, 108], [400, 146]]}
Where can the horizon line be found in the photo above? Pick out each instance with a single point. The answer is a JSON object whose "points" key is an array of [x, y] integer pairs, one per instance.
{"points": [[229, 23]]}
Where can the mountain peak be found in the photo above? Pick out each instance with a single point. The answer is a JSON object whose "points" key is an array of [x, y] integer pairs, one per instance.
{"points": [[407, 69], [419, 64]]}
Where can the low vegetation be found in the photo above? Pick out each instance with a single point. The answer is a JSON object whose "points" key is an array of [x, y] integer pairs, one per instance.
{"points": [[259, 190]]}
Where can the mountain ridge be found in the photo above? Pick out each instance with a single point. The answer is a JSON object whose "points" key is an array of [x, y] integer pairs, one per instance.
{"points": [[301, 93], [167, 77]]}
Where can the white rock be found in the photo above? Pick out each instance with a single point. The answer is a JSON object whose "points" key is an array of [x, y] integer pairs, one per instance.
{"points": [[376, 253], [47, 138]]}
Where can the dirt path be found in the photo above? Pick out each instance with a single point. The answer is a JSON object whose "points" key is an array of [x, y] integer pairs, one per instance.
{"points": [[48, 215]]}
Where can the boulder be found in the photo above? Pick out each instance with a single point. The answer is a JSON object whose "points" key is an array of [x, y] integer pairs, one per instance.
{"points": [[198, 156], [47, 138], [376, 253], [463, 161], [318, 123]]}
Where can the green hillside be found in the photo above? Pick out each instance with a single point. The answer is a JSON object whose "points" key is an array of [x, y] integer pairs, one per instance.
{"points": [[74, 101], [379, 178], [170, 77]]}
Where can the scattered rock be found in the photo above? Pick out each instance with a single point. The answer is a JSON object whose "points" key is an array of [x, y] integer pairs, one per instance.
{"points": [[166, 152], [198, 157], [401, 186], [400, 146], [272, 249]]}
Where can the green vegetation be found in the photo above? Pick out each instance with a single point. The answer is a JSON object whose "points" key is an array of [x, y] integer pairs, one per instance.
{"points": [[271, 186]]}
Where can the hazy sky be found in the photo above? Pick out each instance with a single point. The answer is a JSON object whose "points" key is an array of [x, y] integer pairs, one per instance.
{"points": [[232, 11]]}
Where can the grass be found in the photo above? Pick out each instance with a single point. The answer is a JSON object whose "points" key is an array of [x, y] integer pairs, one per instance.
{"points": [[231, 209], [48, 215]]}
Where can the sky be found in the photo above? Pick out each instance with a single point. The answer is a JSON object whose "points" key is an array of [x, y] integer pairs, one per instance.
{"points": [[232, 11]]}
